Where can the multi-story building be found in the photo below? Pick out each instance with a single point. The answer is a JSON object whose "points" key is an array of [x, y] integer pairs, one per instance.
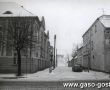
{"points": [[35, 58], [96, 45], [77, 58], [80, 56], [71, 63]]}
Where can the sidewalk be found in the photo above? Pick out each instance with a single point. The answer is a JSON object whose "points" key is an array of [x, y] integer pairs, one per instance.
{"points": [[59, 74]]}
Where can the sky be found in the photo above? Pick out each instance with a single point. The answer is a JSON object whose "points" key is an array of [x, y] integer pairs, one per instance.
{"points": [[68, 19]]}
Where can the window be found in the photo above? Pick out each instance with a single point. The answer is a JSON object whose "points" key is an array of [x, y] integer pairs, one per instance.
{"points": [[0, 28], [93, 57], [2, 50], [1, 38], [37, 37], [8, 46], [91, 32], [107, 31], [0, 41], [36, 54], [107, 41], [92, 46], [8, 51]]}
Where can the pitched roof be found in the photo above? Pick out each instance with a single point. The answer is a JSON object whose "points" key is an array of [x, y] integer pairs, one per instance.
{"points": [[8, 9], [105, 20]]}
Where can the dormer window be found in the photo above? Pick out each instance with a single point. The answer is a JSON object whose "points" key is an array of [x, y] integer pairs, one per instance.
{"points": [[8, 12]]}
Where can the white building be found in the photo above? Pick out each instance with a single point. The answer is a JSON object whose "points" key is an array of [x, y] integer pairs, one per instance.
{"points": [[96, 45]]}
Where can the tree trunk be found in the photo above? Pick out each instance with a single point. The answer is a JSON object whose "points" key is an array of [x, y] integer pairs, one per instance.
{"points": [[19, 62]]}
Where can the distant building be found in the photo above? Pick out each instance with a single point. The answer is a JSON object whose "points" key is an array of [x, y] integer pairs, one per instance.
{"points": [[43, 47], [35, 58], [73, 59], [80, 56], [72, 62], [77, 59], [96, 45], [60, 60]]}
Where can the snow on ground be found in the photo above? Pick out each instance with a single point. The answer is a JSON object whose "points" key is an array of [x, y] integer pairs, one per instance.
{"points": [[61, 74]]}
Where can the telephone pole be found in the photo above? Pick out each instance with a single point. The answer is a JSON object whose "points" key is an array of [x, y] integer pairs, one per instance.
{"points": [[56, 58], [54, 50]]}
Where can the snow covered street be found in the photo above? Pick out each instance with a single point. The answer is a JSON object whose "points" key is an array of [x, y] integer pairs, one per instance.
{"points": [[59, 74], [65, 73]]}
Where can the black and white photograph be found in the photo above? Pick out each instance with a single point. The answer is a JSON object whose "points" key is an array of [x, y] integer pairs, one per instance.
{"points": [[54, 44]]}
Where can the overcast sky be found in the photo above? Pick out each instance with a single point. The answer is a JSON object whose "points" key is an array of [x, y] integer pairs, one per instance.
{"points": [[68, 19]]}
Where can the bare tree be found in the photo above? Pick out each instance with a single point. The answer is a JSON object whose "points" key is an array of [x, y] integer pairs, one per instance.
{"points": [[74, 50], [19, 36], [67, 58]]}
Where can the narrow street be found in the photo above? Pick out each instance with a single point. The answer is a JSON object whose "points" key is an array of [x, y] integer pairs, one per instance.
{"points": [[58, 74], [66, 73], [43, 80], [41, 40]]}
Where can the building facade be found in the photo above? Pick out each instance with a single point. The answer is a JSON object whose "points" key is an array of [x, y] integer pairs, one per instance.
{"points": [[80, 56], [71, 63], [33, 58], [96, 46]]}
